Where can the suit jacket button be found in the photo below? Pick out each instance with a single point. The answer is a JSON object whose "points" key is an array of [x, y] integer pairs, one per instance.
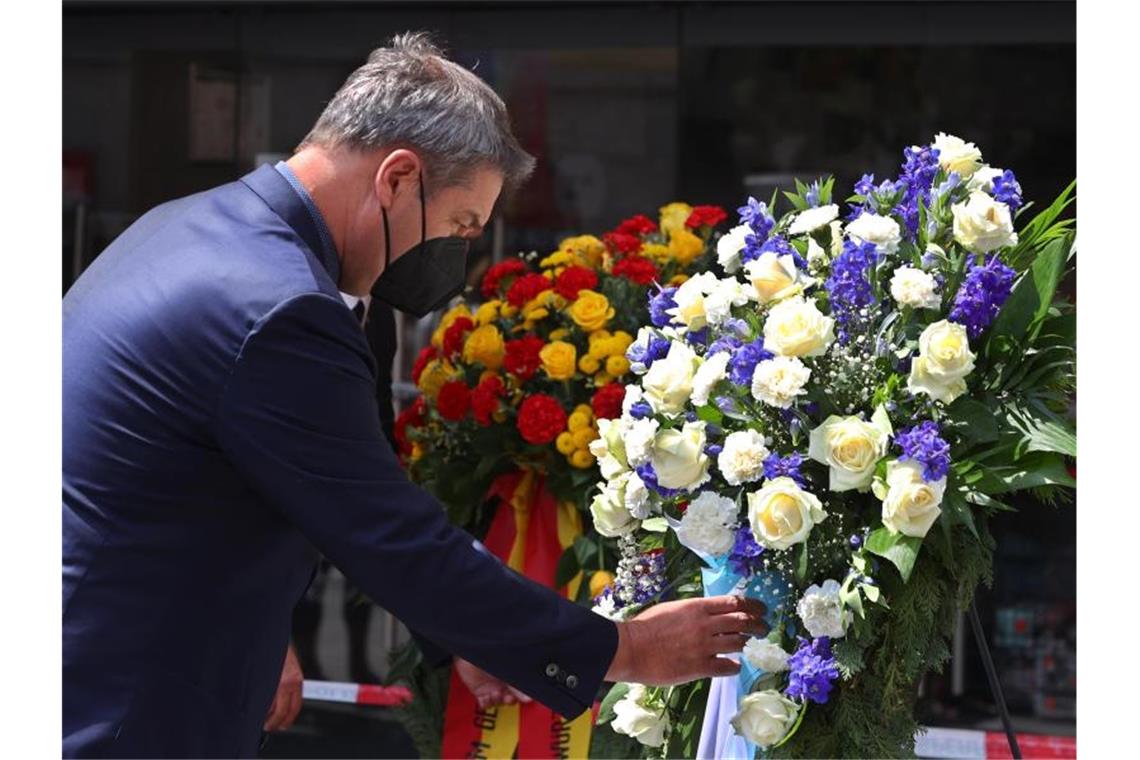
{"points": [[571, 682], [552, 670]]}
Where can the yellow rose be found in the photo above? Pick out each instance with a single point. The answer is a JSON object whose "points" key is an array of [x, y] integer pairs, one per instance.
{"points": [[684, 246], [583, 437], [581, 459], [564, 443], [591, 311], [559, 334], [577, 421], [589, 365], [599, 580], [673, 218], [487, 312], [617, 365], [484, 345], [587, 247], [559, 359], [435, 374]]}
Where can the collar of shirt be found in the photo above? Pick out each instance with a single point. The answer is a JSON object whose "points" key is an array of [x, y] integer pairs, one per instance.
{"points": [[329, 252]]}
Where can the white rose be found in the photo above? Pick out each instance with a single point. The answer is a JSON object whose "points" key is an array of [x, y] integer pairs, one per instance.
{"points": [[883, 231], [633, 716], [983, 224], [914, 288], [813, 218], [910, 503], [944, 360], [608, 509], [637, 496], [639, 441], [983, 179], [722, 296], [730, 245], [669, 382], [708, 525], [679, 457], [822, 612], [766, 655], [782, 514], [690, 300], [609, 447], [711, 372], [741, 459], [795, 327], [765, 717], [851, 448], [957, 155], [775, 277], [779, 380]]}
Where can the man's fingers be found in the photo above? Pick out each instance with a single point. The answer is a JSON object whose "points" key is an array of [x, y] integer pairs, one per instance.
{"points": [[739, 622], [292, 709], [728, 642], [520, 696], [721, 605], [271, 716], [722, 666]]}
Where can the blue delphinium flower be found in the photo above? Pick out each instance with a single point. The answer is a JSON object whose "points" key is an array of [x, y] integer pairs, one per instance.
{"points": [[849, 286], [646, 354], [922, 444], [1008, 190], [648, 476], [659, 305], [745, 558], [757, 216], [640, 410], [865, 185], [812, 194], [812, 671], [726, 404], [776, 466], [697, 337], [982, 294], [743, 363], [953, 179], [919, 167], [724, 343]]}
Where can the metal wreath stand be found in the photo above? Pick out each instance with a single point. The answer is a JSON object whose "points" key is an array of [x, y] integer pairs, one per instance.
{"points": [[995, 685]]}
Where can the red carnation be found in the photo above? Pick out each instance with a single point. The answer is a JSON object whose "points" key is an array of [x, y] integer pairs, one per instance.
{"points": [[521, 357], [525, 288], [607, 401], [574, 279], [485, 399], [705, 216], [637, 225], [499, 272], [455, 334], [427, 353], [412, 417], [636, 269], [541, 419], [622, 242], [454, 400]]}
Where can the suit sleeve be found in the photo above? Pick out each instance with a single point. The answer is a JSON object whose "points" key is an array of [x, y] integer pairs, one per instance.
{"points": [[298, 419]]}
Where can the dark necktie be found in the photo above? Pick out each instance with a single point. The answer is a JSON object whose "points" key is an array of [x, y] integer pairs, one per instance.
{"points": [[359, 310]]}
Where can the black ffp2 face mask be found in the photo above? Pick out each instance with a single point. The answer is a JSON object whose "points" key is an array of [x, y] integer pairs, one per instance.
{"points": [[427, 276]]}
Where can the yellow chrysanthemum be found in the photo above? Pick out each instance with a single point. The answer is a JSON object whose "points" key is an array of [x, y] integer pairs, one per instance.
{"points": [[484, 345], [560, 259], [622, 341], [617, 365], [658, 252], [417, 451], [488, 312], [589, 365], [450, 316], [559, 359], [678, 280], [582, 459], [583, 437], [586, 247], [577, 421], [591, 311], [684, 246], [673, 217], [603, 378], [435, 374], [585, 409], [599, 344], [508, 311], [565, 443]]}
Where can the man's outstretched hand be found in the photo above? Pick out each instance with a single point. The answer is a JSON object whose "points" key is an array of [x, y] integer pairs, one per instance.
{"points": [[680, 641], [488, 690], [287, 700]]}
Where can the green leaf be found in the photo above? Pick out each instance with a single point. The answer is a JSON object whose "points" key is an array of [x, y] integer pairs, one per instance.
{"points": [[587, 551], [900, 550], [1030, 471], [710, 414], [956, 510], [655, 524], [972, 421], [606, 711], [802, 562], [1033, 294], [568, 567]]}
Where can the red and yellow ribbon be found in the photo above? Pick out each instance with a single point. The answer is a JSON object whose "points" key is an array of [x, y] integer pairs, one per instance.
{"points": [[529, 532]]}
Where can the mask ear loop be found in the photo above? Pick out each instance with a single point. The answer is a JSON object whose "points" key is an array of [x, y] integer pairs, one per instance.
{"points": [[423, 210], [387, 239]]}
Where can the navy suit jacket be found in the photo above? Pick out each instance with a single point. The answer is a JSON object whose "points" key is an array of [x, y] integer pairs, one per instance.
{"points": [[220, 429]]}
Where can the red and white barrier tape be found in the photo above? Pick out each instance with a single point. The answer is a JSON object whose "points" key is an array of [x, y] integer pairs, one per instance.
{"points": [[949, 743], [356, 693]]}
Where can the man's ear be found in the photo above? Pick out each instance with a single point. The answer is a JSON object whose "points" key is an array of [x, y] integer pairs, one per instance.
{"points": [[397, 176]]}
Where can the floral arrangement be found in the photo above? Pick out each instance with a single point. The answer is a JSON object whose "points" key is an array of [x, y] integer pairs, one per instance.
{"points": [[828, 426]]}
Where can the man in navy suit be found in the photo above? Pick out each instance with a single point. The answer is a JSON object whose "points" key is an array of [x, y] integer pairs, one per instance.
{"points": [[220, 429]]}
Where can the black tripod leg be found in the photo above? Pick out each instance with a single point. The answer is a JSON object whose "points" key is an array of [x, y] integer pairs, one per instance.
{"points": [[995, 685]]}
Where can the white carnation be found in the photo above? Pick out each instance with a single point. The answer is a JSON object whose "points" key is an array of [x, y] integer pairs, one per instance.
{"points": [[637, 496], [779, 380], [741, 459], [957, 155], [821, 611], [983, 179], [766, 655], [914, 288], [883, 231], [813, 219], [722, 296], [730, 245], [708, 525], [639, 441], [711, 372]]}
